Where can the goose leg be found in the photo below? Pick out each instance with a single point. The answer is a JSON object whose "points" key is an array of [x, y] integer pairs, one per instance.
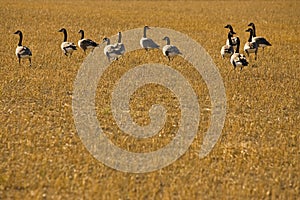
{"points": [[247, 53], [29, 61]]}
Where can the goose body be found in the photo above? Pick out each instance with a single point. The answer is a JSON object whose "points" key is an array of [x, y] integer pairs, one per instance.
{"points": [[170, 50], [111, 51], [67, 47], [227, 50], [251, 46], [233, 39], [237, 59], [147, 43], [260, 41], [22, 51], [85, 44]]}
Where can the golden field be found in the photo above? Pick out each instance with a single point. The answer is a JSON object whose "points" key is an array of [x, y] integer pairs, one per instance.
{"points": [[42, 156]]}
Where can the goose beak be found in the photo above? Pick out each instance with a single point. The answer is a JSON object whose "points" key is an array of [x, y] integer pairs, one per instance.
{"points": [[233, 32]]}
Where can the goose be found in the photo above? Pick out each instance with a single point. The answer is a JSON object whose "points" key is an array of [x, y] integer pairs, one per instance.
{"points": [[233, 39], [227, 50], [22, 51], [238, 59], [120, 46], [86, 43], [251, 46], [261, 41], [111, 51], [170, 50], [67, 47], [147, 43]]}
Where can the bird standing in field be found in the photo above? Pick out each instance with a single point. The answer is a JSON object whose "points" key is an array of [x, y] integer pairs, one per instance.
{"points": [[85, 44], [237, 59], [227, 50], [261, 41], [22, 51], [251, 46], [170, 50], [147, 43], [67, 47], [111, 51]]}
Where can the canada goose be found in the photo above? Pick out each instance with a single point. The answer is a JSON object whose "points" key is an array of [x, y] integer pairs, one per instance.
{"points": [[22, 51], [67, 47], [86, 43], [233, 39], [147, 43], [111, 51], [120, 46], [227, 50], [170, 50], [238, 59], [251, 46], [261, 41]]}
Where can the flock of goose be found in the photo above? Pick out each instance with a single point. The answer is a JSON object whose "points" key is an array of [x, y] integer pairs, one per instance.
{"points": [[232, 47], [114, 51]]}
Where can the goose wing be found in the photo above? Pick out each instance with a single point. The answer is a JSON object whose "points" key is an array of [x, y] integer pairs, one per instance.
{"points": [[148, 43], [23, 51], [171, 50], [120, 47], [261, 41], [112, 51], [88, 43], [68, 46]]}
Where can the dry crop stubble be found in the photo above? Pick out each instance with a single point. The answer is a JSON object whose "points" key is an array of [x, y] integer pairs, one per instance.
{"points": [[256, 157]]}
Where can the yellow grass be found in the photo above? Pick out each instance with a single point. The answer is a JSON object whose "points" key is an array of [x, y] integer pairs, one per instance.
{"points": [[256, 157]]}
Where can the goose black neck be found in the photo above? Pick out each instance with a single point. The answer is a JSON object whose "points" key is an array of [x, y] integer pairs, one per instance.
{"points": [[229, 38], [145, 29], [168, 41], [254, 31], [251, 35], [65, 35], [82, 35], [120, 38], [237, 45], [21, 39]]}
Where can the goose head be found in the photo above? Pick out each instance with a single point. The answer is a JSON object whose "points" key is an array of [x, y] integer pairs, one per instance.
{"points": [[146, 27], [18, 32], [251, 24], [80, 31], [106, 40], [166, 38], [62, 30], [230, 28]]}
